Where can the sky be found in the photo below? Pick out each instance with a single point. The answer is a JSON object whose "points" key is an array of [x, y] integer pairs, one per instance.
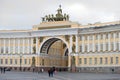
{"points": [[23, 14]]}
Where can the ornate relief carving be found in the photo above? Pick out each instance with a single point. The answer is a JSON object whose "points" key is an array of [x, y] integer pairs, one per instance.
{"points": [[34, 40], [33, 62], [34, 50], [64, 46], [74, 38], [67, 38], [41, 39], [73, 48]]}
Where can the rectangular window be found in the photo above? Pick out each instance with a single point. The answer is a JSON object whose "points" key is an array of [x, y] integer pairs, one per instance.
{"points": [[85, 60], [101, 47], [29, 61], [80, 61], [106, 36], [107, 46], [100, 60], [80, 48], [95, 61], [15, 61], [90, 60], [80, 38], [25, 61], [85, 47], [117, 60], [1, 61], [96, 47], [90, 37], [111, 60], [43, 62], [117, 35], [106, 60], [96, 37], [10, 61], [6, 61], [117, 48]]}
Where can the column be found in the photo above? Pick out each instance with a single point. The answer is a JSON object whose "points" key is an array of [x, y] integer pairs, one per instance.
{"points": [[23, 45], [71, 43], [93, 49], [77, 44], [0, 46], [14, 40], [18, 45], [104, 44], [28, 45], [37, 45], [119, 41], [88, 43], [98, 42], [4, 46], [114, 42], [109, 46], [70, 51], [9, 46], [83, 45], [31, 45]]}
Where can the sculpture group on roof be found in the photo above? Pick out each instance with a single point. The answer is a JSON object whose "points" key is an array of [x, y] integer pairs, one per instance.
{"points": [[58, 17]]}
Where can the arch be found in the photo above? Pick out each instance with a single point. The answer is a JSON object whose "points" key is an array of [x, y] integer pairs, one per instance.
{"points": [[46, 45]]}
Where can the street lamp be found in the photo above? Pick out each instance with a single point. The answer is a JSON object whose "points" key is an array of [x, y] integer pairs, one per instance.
{"points": [[20, 61]]}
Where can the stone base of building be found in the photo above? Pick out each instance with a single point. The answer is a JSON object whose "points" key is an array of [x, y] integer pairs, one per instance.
{"points": [[35, 69], [99, 69]]}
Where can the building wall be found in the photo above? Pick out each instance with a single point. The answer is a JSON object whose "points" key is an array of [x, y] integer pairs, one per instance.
{"points": [[99, 50]]}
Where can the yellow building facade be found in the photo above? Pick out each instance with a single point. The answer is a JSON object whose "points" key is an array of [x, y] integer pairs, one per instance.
{"points": [[63, 44]]}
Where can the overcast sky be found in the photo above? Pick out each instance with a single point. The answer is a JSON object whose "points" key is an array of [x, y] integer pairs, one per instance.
{"points": [[23, 14]]}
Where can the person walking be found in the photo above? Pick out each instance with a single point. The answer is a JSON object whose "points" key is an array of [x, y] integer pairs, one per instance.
{"points": [[1, 70], [49, 73], [4, 70]]}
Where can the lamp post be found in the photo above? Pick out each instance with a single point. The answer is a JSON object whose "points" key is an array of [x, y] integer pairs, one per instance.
{"points": [[20, 61]]}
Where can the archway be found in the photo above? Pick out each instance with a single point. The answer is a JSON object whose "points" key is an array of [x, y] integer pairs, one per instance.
{"points": [[55, 52]]}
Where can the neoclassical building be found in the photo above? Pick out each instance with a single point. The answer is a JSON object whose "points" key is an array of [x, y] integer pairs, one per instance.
{"points": [[63, 44]]}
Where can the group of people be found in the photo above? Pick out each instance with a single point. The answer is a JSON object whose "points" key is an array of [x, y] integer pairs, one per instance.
{"points": [[2, 69], [51, 72]]}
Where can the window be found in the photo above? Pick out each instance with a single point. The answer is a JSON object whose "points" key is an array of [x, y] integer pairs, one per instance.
{"points": [[29, 61], [80, 48], [117, 45], [43, 62], [112, 46], [6, 61], [95, 61], [90, 60], [106, 36], [90, 37], [80, 61], [1, 61], [111, 60], [107, 46], [106, 60], [101, 47], [10, 61], [15, 61], [101, 36], [117, 35], [80, 38], [117, 60], [96, 47], [85, 60], [25, 61], [100, 60], [85, 47], [96, 37], [111, 35]]}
